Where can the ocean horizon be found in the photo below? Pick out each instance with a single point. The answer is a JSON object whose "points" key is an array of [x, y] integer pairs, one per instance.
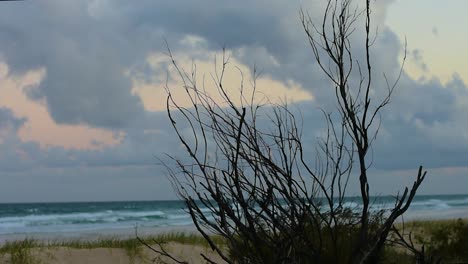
{"points": [[82, 217]]}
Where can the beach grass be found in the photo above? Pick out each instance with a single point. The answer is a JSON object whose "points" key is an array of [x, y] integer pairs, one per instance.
{"points": [[23, 251], [20, 251], [447, 239], [444, 240]]}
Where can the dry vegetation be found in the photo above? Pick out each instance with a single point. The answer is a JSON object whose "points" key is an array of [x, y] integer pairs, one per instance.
{"points": [[248, 176], [445, 241]]}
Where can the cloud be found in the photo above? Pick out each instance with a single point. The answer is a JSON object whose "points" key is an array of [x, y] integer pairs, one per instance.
{"points": [[84, 184], [435, 31], [39, 126], [9, 123], [92, 73], [417, 58], [86, 47], [84, 60], [425, 125], [152, 91]]}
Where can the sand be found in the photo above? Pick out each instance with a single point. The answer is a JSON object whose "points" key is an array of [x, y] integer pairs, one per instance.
{"points": [[58, 255], [61, 255], [90, 235]]}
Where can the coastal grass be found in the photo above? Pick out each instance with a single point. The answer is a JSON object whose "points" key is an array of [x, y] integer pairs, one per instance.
{"points": [[446, 240], [443, 240], [22, 251]]}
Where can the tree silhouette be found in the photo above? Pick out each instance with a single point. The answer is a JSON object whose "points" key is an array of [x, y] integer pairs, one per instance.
{"points": [[247, 178]]}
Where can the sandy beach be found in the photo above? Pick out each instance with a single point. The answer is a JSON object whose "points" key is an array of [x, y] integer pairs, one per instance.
{"points": [[60, 255], [93, 235], [122, 247], [85, 247]]}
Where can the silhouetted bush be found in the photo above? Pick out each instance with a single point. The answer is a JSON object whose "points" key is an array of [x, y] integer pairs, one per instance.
{"points": [[247, 177]]}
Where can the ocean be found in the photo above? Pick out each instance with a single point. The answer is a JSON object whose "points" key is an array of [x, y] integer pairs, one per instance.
{"points": [[29, 218]]}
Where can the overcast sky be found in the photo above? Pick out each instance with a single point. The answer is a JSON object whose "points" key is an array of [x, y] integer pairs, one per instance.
{"points": [[82, 88]]}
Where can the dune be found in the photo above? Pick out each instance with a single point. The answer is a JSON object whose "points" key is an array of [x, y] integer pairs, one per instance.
{"points": [[60, 255]]}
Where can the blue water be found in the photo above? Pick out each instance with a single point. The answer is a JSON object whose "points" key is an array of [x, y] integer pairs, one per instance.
{"points": [[85, 216], [76, 217]]}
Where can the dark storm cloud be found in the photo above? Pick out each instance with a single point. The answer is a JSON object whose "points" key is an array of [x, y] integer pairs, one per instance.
{"points": [[86, 46], [425, 124], [85, 61]]}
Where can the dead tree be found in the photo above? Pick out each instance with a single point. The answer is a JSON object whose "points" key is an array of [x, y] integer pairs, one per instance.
{"points": [[247, 178], [357, 110]]}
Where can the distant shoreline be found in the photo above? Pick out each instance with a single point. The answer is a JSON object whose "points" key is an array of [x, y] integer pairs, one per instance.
{"points": [[93, 235]]}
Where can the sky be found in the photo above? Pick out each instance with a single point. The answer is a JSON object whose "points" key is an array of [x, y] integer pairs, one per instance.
{"points": [[82, 98]]}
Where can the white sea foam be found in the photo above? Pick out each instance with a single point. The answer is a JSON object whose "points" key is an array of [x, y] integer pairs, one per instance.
{"points": [[86, 221]]}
